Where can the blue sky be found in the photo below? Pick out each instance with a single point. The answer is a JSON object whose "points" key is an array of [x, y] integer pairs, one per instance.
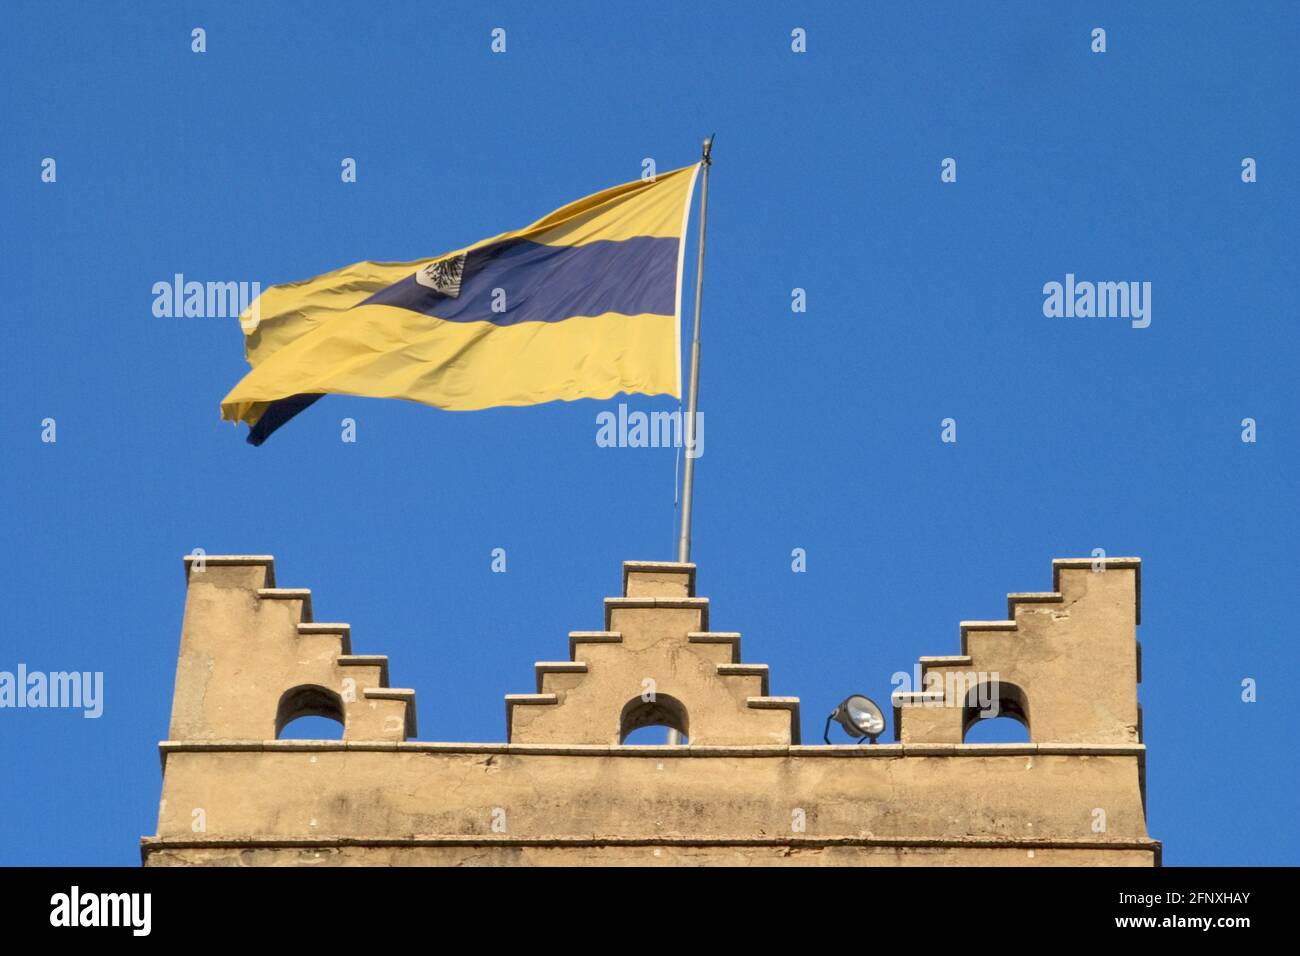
{"points": [[924, 302]]}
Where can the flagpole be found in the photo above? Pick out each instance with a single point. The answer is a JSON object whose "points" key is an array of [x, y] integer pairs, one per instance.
{"points": [[688, 478]]}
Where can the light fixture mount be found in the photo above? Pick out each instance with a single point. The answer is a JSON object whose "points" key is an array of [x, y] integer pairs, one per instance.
{"points": [[860, 717]]}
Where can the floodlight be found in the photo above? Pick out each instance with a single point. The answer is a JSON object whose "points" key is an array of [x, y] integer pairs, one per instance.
{"points": [[860, 718]]}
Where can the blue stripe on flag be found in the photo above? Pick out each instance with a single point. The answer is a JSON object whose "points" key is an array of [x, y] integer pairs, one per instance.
{"points": [[542, 283]]}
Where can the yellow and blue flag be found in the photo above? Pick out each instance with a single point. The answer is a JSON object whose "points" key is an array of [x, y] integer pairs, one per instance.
{"points": [[584, 303]]}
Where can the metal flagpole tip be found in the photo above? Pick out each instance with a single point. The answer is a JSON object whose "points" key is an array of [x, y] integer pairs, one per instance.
{"points": [[708, 149]]}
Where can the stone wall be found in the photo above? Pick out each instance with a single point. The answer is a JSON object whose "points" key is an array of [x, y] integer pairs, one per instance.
{"points": [[563, 789]]}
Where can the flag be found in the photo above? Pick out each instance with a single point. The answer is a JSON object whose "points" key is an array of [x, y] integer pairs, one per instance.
{"points": [[584, 303]]}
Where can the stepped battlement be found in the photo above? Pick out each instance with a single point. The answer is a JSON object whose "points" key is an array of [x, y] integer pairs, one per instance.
{"points": [[252, 660], [656, 663], [564, 787], [1065, 662]]}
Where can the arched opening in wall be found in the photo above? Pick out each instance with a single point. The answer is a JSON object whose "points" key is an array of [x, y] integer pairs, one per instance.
{"points": [[996, 712], [653, 721], [309, 712]]}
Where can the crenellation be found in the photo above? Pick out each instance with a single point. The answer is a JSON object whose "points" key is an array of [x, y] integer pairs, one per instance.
{"points": [[252, 660], [1065, 663], [564, 788]]}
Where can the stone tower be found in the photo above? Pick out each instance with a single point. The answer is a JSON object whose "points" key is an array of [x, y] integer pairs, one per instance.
{"points": [[564, 789]]}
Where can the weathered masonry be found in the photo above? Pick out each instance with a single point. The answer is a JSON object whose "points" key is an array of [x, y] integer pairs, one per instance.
{"points": [[564, 789]]}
